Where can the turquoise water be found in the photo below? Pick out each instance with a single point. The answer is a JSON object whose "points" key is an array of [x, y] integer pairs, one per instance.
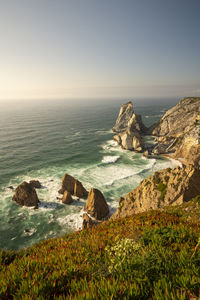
{"points": [[45, 139]]}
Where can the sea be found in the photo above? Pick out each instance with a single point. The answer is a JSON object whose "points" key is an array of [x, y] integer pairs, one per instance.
{"points": [[45, 139]]}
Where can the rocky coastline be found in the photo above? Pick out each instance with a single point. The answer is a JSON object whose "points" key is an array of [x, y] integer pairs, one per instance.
{"points": [[177, 137]]}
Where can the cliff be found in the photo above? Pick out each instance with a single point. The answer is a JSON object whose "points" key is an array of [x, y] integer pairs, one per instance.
{"points": [[178, 132], [163, 188]]}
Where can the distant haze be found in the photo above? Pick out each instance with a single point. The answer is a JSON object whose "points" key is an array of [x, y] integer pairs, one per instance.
{"points": [[99, 48]]}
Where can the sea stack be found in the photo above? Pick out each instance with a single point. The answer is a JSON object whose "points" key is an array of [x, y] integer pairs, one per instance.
{"points": [[26, 195], [72, 185], [96, 205], [129, 128]]}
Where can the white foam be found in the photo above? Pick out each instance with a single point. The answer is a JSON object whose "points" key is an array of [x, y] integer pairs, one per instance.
{"points": [[73, 220], [110, 159], [30, 232]]}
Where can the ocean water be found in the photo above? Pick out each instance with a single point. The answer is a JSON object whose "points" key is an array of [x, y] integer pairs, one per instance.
{"points": [[45, 139]]}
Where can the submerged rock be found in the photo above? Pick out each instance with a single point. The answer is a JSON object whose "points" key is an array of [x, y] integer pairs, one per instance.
{"points": [[35, 183], [67, 198], [26, 195], [96, 205]]}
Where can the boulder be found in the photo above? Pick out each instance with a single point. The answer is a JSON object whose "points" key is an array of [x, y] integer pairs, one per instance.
{"points": [[67, 198], [26, 195], [35, 183], [79, 190], [96, 205], [146, 154]]}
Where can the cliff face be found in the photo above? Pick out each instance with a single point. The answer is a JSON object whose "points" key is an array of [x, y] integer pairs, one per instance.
{"points": [[178, 135], [178, 131], [129, 127], [167, 187]]}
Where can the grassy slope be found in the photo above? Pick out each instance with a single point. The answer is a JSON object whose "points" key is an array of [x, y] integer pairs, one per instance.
{"points": [[164, 265]]}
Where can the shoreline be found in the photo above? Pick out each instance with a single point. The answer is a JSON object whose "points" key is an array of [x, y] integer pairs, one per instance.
{"points": [[179, 162]]}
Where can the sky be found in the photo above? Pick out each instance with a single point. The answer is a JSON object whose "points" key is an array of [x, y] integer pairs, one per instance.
{"points": [[99, 48]]}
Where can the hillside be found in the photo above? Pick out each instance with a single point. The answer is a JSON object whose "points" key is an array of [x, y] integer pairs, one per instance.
{"points": [[152, 255]]}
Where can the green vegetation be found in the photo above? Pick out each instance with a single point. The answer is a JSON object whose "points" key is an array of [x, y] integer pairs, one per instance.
{"points": [[162, 188], [153, 255]]}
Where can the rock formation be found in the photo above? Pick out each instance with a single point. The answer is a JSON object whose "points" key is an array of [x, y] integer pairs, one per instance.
{"points": [[96, 205], [79, 190], [178, 132], [73, 186], [166, 187], [35, 183], [67, 198], [88, 222], [26, 195], [129, 127]]}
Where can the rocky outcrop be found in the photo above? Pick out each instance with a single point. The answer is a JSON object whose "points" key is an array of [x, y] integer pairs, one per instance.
{"points": [[67, 198], [73, 186], [79, 190], [96, 205], [26, 195], [129, 127], [125, 114], [179, 130], [88, 222], [35, 183], [166, 187]]}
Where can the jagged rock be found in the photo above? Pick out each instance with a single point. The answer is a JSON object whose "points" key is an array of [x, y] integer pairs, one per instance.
{"points": [[179, 128], [132, 142], [88, 222], [129, 127], [146, 154], [125, 114], [26, 195], [73, 186], [10, 187], [79, 190], [117, 138], [67, 184], [96, 205], [67, 198], [35, 183], [166, 187], [160, 149]]}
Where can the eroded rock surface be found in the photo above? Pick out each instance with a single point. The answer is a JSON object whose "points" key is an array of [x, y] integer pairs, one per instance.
{"points": [[26, 195], [72, 185], [178, 131], [166, 187], [35, 183], [88, 222], [129, 127], [96, 205], [67, 198]]}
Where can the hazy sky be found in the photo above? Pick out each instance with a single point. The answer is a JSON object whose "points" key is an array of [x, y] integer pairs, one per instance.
{"points": [[99, 48]]}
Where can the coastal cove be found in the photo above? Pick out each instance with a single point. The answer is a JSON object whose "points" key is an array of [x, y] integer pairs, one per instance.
{"points": [[45, 141]]}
